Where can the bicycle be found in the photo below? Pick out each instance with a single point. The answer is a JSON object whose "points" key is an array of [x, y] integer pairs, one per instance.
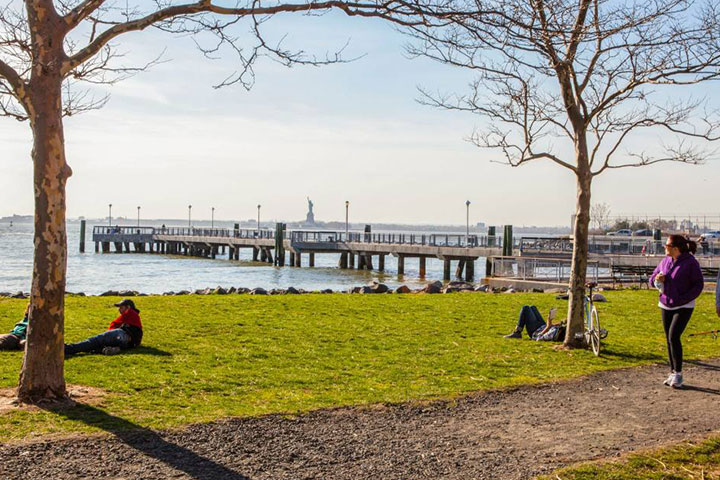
{"points": [[593, 334]]}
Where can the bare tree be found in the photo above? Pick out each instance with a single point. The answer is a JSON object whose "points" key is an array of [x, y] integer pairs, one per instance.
{"points": [[48, 46], [600, 215], [573, 81]]}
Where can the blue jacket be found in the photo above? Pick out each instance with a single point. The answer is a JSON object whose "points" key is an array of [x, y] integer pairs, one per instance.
{"points": [[683, 280]]}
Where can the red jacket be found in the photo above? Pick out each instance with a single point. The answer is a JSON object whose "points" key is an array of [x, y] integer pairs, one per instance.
{"points": [[130, 317]]}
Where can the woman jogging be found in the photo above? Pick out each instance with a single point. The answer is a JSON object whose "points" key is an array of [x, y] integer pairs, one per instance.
{"points": [[680, 281]]}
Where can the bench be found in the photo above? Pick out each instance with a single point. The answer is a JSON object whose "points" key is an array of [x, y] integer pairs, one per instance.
{"points": [[638, 273], [641, 273]]}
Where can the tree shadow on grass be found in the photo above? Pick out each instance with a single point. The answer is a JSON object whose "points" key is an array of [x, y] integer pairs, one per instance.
{"points": [[150, 443], [625, 355]]}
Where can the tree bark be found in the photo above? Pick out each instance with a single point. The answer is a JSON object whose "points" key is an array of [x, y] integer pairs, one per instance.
{"points": [[578, 270], [42, 376]]}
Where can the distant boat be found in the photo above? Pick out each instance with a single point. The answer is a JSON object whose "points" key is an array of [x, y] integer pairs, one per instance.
{"points": [[11, 223]]}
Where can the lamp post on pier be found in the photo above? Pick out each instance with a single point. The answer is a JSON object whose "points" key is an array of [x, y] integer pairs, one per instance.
{"points": [[258, 220], [467, 223], [347, 207], [212, 218], [138, 215], [110, 215], [189, 216]]}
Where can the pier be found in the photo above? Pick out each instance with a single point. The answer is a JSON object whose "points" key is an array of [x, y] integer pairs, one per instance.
{"points": [[527, 259]]}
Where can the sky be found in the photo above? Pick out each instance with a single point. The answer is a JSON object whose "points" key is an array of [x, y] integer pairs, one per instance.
{"points": [[346, 132]]}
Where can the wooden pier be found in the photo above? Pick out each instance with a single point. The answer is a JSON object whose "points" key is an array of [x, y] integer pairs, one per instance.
{"points": [[280, 247]]}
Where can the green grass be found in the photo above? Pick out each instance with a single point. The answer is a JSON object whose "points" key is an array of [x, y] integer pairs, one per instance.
{"points": [[208, 357], [686, 461]]}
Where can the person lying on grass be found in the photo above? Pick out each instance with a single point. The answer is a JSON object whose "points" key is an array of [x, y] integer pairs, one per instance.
{"points": [[531, 320], [124, 332], [15, 340]]}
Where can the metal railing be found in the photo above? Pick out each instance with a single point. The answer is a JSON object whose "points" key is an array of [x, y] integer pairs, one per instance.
{"points": [[434, 239], [606, 244], [540, 268]]}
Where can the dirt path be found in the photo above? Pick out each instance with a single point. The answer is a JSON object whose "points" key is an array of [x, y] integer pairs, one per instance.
{"points": [[514, 434]]}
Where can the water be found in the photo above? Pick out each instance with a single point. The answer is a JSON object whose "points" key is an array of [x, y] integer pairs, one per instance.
{"points": [[94, 273]]}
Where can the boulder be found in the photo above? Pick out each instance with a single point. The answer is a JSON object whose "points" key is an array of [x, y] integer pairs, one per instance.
{"points": [[110, 293], [356, 290], [327, 290], [183, 292], [403, 289], [169, 293], [599, 297], [292, 291], [5, 294], [434, 287], [460, 285], [482, 288], [232, 290], [20, 295], [220, 291], [258, 291], [242, 290], [127, 293], [376, 287], [510, 290], [277, 291], [538, 290], [204, 291]]}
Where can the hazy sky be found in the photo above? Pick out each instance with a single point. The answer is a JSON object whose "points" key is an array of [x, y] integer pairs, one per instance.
{"points": [[341, 132]]}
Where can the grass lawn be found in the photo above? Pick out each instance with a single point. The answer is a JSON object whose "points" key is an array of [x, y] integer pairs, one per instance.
{"points": [[686, 461], [208, 357]]}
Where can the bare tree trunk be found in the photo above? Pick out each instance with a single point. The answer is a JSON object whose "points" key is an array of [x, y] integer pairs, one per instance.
{"points": [[578, 270], [42, 376]]}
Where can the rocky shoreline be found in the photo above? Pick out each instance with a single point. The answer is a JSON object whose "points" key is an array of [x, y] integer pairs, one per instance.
{"points": [[436, 287]]}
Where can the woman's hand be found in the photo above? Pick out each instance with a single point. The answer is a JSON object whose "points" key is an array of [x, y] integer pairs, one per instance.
{"points": [[660, 277]]}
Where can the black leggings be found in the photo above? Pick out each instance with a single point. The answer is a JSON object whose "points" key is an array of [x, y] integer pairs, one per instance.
{"points": [[674, 322]]}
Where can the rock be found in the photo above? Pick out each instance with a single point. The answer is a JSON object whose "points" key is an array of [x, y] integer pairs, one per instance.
{"points": [[220, 291], [19, 295], [183, 292], [376, 287], [564, 296], [599, 297], [434, 287], [510, 290], [537, 290], [242, 290], [258, 291], [482, 288], [556, 290], [204, 291], [450, 289], [110, 293], [5, 294], [169, 293], [460, 285], [356, 290], [277, 291], [327, 290], [232, 290], [403, 289], [127, 293], [292, 291]]}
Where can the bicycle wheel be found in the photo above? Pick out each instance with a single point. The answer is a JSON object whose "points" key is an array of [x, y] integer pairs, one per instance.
{"points": [[594, 332]]}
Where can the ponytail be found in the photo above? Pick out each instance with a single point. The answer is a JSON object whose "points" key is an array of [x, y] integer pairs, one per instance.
{"points": [[684, 244]]}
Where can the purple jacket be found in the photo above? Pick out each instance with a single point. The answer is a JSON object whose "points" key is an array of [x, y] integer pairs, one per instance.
{"points": [[683, 280]]}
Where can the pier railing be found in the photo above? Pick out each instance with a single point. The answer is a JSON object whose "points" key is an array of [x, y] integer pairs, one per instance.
{"points": [[434, 239], [215, 232], [605, 244], [539, 268]]}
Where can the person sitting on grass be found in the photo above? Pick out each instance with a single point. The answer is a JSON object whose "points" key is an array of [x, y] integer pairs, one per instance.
{"points": [[15, 340], [124, 332], [531, 320]]}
